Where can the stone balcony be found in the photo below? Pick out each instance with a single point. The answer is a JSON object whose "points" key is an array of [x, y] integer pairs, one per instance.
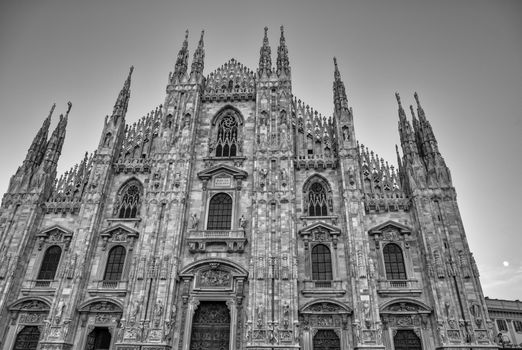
{"points": [[399, 287], [104, 287], [39, 287], [315, 162], [232, 241], [323, 287]]}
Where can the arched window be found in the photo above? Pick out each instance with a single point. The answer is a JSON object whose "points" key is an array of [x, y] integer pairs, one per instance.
{"points": [[321, 263], [115, 263], [226, 143], [50, 263], [27, 339], [394, 262], [317, 200], [129, 202], [220, 212]]}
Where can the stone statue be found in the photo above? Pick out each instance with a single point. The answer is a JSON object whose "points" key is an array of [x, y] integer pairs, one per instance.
{"points": [[242, 222], [195, 221]]}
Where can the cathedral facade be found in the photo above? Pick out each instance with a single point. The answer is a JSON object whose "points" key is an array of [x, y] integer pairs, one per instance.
{"points": [[234, 216]]}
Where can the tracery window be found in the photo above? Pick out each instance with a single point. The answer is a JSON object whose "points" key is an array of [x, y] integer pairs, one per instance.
{"points": [[50, 263], [317, 200], [394, 262], [321, 263], [129, 202], [220, 212], [115, 262], [227, 136], [27, 339]]}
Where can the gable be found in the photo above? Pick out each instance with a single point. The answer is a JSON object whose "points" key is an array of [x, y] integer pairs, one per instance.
{"points": [[232, 79], [390, 226], [232, 171]]}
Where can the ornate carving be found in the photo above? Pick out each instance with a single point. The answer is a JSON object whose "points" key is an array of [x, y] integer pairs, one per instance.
{"points": [[215, 278]]}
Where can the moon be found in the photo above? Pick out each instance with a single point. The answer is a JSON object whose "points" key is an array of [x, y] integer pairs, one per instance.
{"points": [[505, 263]]}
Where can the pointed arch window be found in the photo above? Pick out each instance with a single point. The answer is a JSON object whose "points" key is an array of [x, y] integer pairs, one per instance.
{"points": [[317, 200], [129, 202], [50, 263], [321, 263], [220, 212], [227, 136], [394, 262], [115, 262]]}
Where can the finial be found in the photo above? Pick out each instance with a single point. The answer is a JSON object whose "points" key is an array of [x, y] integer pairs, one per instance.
{"points": [[282, 30], [412, 112], [186, 34], [337, 75], [416, 98], [266, 31], [398, 97], [52, 110], [201, 37], [69, 105]]}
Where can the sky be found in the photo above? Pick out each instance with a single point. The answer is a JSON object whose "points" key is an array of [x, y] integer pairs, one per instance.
{"points": [[464, 58]]}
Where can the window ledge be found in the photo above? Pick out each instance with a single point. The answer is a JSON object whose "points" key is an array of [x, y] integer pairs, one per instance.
{"points": [[39, 287], [125, 220], [332, 288], [234, 240], [115, 288], [399, 287]]}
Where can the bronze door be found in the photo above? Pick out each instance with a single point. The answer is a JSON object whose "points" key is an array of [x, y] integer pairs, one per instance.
{"points": [[326, 339], [406, 340], [27, 339], [211, 327]]}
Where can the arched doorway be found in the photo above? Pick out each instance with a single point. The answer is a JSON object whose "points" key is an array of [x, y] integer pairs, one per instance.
{"points": [[27, 339], [326, 339], [99, 339], [211, 326], [406, 340]]}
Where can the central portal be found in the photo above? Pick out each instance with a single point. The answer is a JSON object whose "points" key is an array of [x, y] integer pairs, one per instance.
{"points": [[211, 326]]}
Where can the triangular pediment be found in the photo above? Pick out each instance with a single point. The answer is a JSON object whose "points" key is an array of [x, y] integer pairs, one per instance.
{"points": [[118, 228], [320, 226], [59, 228], [390, 226], [236, 173]]}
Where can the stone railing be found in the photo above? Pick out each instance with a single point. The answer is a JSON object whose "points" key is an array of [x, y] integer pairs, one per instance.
{"points": [[333, 287], [410, 286], [315, 162], [231, 240]]}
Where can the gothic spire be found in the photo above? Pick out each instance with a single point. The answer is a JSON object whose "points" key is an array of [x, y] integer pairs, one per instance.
{"points": [[407, 136], [55, 144], [424, 130], [340, 99], [180, 69], [265, 56], [120, 107], [199, 57], [283, 65], [37, 148]]}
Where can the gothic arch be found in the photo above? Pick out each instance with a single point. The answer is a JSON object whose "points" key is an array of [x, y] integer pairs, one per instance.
{"points": [[320, 202], [125, 206], [222, 112]]}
